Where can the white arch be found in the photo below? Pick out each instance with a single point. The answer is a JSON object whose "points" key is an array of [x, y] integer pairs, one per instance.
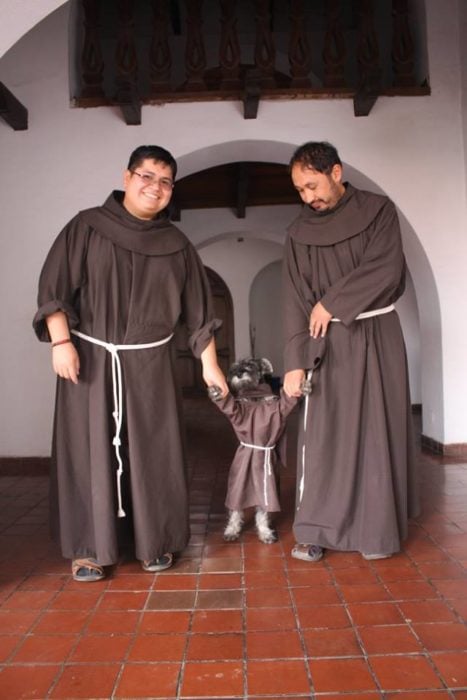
{"points": [[19, 17], [420, 269]]}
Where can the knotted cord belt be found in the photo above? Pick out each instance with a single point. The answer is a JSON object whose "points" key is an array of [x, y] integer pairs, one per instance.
{"points": [[267, 464], [360, 317], [117, 387]]}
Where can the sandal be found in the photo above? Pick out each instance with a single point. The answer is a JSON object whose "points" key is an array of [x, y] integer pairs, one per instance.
{"points": [[372, 557], [86, 570], [307, 552], [154, 565]]}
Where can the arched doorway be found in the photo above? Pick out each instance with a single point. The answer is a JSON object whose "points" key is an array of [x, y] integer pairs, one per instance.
{"points": [[265, 316], [188, 367], [426, 299]]}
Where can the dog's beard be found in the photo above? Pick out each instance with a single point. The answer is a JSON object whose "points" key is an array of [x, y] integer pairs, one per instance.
{"points": [[244, 381]]}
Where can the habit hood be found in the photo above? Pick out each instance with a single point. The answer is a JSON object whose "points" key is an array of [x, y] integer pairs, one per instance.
{"points": [[148, 237], [353, 213]]}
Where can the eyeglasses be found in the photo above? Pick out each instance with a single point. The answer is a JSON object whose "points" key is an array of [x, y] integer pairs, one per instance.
{"points": [[150, 179]]}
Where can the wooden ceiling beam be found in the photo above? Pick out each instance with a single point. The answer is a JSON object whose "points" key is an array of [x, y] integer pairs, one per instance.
{"points": [[363, 102], [242, 189], [234, 186], [251, 94], [131, 112], [12, 111]]}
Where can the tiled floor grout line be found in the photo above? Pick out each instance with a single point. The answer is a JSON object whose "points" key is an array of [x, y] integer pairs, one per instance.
{"points": [[184, 660], [401, 591], [79, 636], [300, 630], [244, 625]]}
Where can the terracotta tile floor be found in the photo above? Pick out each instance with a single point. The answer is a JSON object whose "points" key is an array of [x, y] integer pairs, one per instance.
{"points": [[241, 620]]}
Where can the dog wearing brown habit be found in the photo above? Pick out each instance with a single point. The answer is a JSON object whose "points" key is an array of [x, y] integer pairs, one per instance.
{"points": [[258, 417]]}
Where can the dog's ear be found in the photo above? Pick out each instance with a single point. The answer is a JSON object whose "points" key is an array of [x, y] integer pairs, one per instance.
{"points": [[265, 366]]}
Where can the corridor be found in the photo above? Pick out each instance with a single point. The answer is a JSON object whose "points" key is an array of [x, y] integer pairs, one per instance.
{"points": [[241, 620]]}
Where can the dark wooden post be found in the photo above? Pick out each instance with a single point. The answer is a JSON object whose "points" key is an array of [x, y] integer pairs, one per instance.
{"points": [[264, 47], [368, 61], [92, 63], [402, 45], [12, 110], [160, 61], [127, 65], [251, 93], [299, 48], [229, 50], [334, 47], [195, 57], [242, 188]]}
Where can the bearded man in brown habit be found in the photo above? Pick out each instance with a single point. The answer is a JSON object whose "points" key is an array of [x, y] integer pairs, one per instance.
{"points": [[343, 270]]}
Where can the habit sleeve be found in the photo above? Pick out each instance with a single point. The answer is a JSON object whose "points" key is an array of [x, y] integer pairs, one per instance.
{"points": [[378, 280], [234, 410], [287, 403], [197, 307], [61, 277], [301, 350]]}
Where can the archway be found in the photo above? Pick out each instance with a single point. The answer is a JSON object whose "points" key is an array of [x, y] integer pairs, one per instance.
{"points": [[426, 292], [238, 259]]}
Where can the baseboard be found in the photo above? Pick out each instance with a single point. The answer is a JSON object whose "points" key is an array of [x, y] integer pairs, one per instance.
{"points": [[455, 449], [24, 466], [40, 466]]}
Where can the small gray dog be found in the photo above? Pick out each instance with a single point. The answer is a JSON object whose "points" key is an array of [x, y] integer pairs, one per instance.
{"points": [[258, 418]]}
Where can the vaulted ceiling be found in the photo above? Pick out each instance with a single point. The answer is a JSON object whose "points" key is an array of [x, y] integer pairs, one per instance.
{"points": [[235, 186]]}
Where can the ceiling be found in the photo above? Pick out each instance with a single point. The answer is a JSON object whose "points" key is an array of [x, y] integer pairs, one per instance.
{"points": [[235, 186]]}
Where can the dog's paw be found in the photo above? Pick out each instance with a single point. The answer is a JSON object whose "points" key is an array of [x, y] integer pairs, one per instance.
{"points": [[234, 526], [232, 532], [214, 393], [268, 536]]}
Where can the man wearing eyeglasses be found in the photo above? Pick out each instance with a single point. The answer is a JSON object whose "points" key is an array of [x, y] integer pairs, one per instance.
{"points": [[116, 283]]}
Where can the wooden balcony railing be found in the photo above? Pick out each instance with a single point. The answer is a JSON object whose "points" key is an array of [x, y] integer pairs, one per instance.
{"points": [[139, 52]]}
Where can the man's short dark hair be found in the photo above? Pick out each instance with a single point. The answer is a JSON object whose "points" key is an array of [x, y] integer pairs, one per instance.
{"points": [[156, 153], [319, 155]]}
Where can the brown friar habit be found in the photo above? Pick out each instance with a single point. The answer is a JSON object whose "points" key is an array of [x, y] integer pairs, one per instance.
{"points": [[258, 418], [356, 485], [127, 281]]}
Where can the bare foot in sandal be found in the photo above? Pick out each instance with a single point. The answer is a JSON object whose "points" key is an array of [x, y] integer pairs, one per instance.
{"points": [[307, 552], [87, 570]]}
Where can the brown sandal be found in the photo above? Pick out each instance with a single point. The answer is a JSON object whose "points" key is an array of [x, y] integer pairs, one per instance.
{"points": [[86, 570]]}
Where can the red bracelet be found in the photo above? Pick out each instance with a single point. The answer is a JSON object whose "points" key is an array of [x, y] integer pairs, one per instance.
{"points": [[61, 342]]}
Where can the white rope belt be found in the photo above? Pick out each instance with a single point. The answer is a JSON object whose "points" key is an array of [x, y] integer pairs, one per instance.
{"points": [[360, 317], [267, 464], [301, 487], [117, 387], [369, 314]]}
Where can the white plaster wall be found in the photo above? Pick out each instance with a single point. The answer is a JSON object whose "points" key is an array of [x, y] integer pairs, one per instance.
{"points": [[463, 62], [19, 16], [411, 148]]}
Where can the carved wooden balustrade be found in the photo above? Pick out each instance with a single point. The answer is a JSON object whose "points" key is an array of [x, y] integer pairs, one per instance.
{"points": [[139, 52]]}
